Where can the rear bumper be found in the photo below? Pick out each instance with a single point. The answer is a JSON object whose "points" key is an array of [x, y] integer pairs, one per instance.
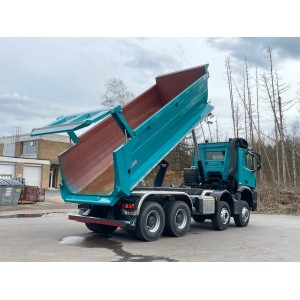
{"points": [[87, 219]]}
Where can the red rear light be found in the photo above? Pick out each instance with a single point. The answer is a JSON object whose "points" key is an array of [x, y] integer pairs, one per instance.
{"points": [[128, 205]]}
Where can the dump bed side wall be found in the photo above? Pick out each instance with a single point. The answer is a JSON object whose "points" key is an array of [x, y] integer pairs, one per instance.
{"points": [[104, 164], [171, 85], [160, 134], [88, 166]]}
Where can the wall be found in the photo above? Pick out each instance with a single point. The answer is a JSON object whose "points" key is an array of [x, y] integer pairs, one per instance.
{"points": [[19, 169], [47, 150], [18, 149], [59, 178], [50, 149], [45, 176]]}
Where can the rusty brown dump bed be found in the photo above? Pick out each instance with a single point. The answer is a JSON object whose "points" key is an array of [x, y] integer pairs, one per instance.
{"points": [[103, 163]]}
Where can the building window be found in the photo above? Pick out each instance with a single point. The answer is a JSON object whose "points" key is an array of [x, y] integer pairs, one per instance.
{"points": [[30, 148], [9, 149]]}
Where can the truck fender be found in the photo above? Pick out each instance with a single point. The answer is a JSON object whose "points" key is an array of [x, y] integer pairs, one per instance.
{"points": [[181, 196], [246, 194], [227, 197]]}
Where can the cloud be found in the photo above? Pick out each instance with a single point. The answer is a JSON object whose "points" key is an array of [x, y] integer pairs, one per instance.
{"points": [[18, 110], [57, 76], [154, 61], [13, 103], [254, 48], [13, 96], [150, 60]]}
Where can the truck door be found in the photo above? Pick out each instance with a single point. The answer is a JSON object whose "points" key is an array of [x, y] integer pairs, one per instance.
{"points": [[246, 168]]}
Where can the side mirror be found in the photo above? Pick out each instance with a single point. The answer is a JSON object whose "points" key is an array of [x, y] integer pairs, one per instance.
{"points": [[258, 161], [253, 161]]}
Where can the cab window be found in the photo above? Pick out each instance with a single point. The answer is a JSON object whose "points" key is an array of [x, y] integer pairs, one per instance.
{"points": [[215, 155]]}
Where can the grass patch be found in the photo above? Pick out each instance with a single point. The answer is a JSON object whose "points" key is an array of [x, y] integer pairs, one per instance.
{"points": [[276, 200]]}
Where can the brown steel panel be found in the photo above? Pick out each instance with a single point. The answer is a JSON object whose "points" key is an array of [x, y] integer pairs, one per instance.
{"points": [[88, 166], [172, 84]]}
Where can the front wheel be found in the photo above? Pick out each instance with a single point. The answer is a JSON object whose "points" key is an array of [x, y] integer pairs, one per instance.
{"points": [[242, 219], [151, 222], [221, 218], [99, 228], [178, 218]]}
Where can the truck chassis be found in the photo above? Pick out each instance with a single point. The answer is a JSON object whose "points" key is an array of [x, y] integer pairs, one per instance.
{"points": [[150, 212]]}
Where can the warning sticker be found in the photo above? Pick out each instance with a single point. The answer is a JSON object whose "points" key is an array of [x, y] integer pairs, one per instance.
{"points": [[8, 192]]}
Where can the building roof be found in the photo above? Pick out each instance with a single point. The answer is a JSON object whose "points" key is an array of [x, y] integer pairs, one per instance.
{"points": [[24, 160], [28, 137]]}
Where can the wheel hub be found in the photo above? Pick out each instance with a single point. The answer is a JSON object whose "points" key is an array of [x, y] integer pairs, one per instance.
{"points": [[224, 216], [245, 214], [181, 219], [153, 221]]}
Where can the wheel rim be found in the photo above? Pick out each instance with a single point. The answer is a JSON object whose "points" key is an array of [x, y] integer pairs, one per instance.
{"points": [[153, 221], [181, 219], [224, 216], [245, 214]]}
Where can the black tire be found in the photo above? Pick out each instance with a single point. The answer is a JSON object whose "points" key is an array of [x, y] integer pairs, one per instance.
{"points": [[131, 233], [221, 218], [89, 226], [151, 222], [199, 219], [99, 228], [242, 219], [178, 218]]}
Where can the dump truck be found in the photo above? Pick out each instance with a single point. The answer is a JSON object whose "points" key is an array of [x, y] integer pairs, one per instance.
{"points": [[102, 170]]}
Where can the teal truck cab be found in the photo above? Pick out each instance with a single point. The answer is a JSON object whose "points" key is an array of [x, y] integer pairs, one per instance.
{"points": [[227, 172], [103, 168], [229, 166]]}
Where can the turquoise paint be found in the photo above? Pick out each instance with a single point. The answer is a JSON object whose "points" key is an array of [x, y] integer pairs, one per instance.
{"points": [[147, 144], [209, 165], [244, 175], [75, 122]]}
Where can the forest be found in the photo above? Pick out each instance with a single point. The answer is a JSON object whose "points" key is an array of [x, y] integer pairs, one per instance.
{"points": [[252, 95]]}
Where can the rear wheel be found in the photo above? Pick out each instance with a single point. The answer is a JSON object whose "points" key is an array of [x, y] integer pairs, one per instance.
{"points": [[242, 219], [151, 222], [221, 218], [178, 218], [199, 219], [99, 228]]}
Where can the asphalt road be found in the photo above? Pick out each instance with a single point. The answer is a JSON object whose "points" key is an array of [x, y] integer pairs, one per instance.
{"points": [[35, 236]]}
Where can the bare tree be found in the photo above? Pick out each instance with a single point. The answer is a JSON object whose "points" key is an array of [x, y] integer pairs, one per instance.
{"points": [[232, 103], [249, 102], [281, 128], [281, 152], [209, 121], [116, 93], [255, 127], [217, 130], [294, 167], [258, 118], [245, 105], [269, 88]]}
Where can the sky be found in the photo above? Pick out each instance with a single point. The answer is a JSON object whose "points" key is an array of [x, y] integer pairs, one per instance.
{"points": [[42, 78], [47, 71]]}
